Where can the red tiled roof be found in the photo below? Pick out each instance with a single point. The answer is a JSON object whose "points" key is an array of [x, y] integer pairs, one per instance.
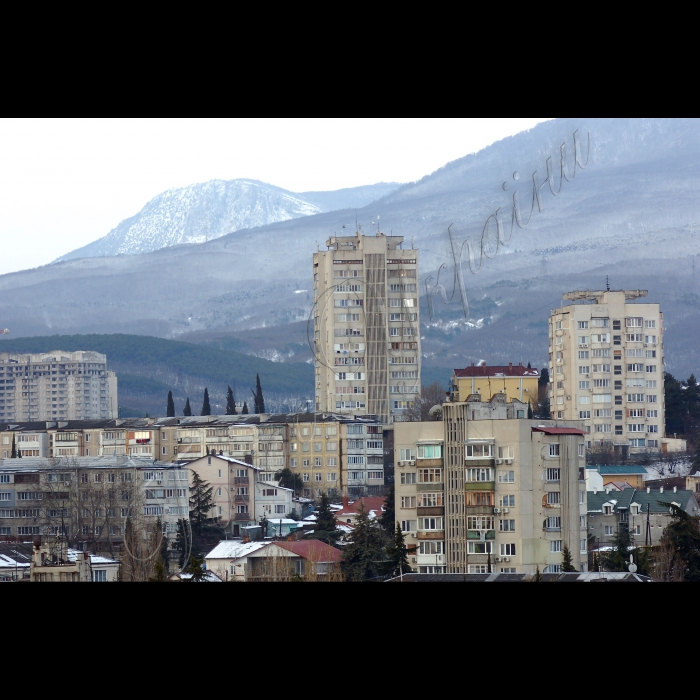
{"points": [[370, 502], [313, 550], [490, 371], [558, 431]]}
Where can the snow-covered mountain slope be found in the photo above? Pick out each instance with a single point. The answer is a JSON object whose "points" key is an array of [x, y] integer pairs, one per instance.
{"points": [[208, 210]]}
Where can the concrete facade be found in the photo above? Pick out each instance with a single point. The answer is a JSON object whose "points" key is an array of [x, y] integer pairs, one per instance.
{"points": [[484, 488], [56, 386], [606, 360], [366, 326]]}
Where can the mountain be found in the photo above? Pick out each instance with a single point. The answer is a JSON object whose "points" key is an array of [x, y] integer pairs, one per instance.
{"points": [[208, 210], [632, 214]]}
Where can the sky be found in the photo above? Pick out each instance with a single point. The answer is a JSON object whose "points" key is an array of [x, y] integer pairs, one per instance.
{"points": [[67, 182]]}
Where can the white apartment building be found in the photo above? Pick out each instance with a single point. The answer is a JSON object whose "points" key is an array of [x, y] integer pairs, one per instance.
{"points": [[366, 326], [485, 490], [606, 361], [57, 386]]}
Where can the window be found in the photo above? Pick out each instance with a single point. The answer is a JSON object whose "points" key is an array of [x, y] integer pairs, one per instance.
{"points": [[480, 522], [608, 529], [507, 549], [408, 501], [407, 455], [584, 384], [601, 383], [428, 451], [479, 498], [506, 525], [332, 476], [318, 476], [583, 354], [584, 400], [507, 501], [554, 449], [506, 477], [479, 474], [408, 477], [553, 498], [555, 546], [553, 474], [305, 476], [430, 524], [408, 525], [583, 369], [582, 325], [479, 547], [553, 523], [479, 451], [506, 452], [433, 476], [477, 569]]}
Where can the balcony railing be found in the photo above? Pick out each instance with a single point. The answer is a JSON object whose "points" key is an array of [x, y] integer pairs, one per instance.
{"points": [[476, 535], [241, 516]]}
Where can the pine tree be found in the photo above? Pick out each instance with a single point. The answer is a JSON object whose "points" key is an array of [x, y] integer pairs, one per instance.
{"points": [[13, 454], [529, 410], [188, 410], [258, 396], [567, 560], [683, 536], [364, 558], [288, 479], [201, 502], [695, 466], [197, 570], [206, 408], [244, 411], [325, 527], [398, 553], [230, 403], [170, 410]]}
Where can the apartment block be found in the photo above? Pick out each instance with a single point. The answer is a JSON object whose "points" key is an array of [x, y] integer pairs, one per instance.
{"points": [[366, 326], [606, 361], [515, 381], [87, 500], [485, 490], [56, 386]]}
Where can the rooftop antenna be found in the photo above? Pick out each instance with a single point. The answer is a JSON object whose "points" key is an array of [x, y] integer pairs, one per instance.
{"points": [[356, 229], [607, 282], [377, 224]]}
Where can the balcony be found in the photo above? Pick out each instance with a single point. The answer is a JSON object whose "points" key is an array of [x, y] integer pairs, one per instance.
{"points": [[239, 498], [426, 488], [480, 485], [476, 534], [430, 510], [240, 480], [242, 516]]}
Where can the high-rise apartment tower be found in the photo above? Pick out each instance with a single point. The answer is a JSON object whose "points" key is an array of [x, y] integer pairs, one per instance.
{"points": [[56, 386], [606, 361], [366, 326]]}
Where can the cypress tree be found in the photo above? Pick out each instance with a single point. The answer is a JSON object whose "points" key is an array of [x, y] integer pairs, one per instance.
{"points": [[206, 408], [230, 403], [188, 410], [245, 408], [170, 411], [258, 394], [13, 454]]}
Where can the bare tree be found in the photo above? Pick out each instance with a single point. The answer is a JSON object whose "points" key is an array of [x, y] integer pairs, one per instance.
{"points": [[430, 396]]}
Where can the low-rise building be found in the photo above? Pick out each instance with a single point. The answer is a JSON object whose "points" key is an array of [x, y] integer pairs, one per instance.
{"points": [[515, 381], [645, 513]]}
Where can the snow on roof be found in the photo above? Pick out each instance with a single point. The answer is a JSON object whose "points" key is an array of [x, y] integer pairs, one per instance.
{"points": [[557, 431], [503, 370], [234, 549], [314, 550], [210, 577]]}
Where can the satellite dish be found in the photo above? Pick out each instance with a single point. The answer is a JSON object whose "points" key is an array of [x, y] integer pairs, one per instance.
{"points": [[437, 408]]}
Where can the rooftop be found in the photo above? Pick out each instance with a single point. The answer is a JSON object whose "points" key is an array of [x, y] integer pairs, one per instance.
{"points": [[552, 430], [627, 470], [572, 577], [484, 370]]}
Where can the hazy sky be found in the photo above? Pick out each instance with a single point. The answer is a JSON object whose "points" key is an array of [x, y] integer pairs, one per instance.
{"points": [[66, 182]]}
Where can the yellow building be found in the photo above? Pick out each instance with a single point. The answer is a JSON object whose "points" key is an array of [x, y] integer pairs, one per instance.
{"points": [[516, 381]]}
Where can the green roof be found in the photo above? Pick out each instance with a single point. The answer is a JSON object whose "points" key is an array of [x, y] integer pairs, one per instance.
{"points": [[658, 502], [633, 469]]}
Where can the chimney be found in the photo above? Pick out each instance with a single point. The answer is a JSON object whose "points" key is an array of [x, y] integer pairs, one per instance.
{"points": [[510, 366], [648, 489], [661, 490], [248, 458], [675, 489], [345, 503], [595, 491]]}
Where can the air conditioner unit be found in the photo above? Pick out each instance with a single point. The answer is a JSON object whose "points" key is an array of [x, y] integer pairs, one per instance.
{"points": [[414, 560], [583, 345], [506, 558], [497, 559], [499, 461], [412, 463], [505, 510], [568, 398], [159, 482], [496, 510], [400, 464], [509, 461]]}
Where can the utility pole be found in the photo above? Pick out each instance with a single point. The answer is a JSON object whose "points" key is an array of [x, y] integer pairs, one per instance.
{"points": [[647, 534]]}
